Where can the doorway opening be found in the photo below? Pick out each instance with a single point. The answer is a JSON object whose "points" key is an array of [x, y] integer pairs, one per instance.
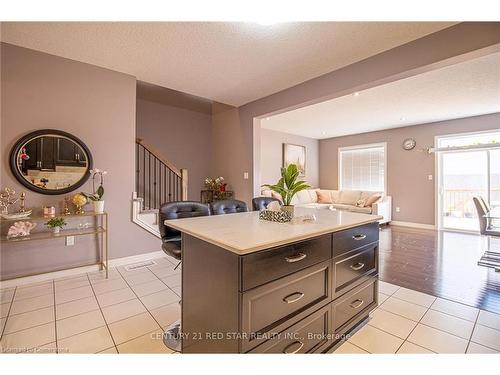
{"points": [[468, 166]]}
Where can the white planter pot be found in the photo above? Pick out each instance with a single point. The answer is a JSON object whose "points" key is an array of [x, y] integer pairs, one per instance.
{"points": [[56, 230], [98, 207]]}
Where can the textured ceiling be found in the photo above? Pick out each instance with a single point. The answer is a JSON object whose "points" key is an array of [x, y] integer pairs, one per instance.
{"points": [[467, 89], [232, 63]]}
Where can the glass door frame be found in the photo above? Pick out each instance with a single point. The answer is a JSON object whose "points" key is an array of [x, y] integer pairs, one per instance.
{"points": [[438, 162]]}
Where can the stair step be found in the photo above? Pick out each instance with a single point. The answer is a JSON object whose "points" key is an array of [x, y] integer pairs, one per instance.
{"points": [[149, 211], [147, 218]]}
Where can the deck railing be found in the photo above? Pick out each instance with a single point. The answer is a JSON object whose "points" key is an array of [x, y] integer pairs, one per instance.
{"points": [[458, 202]]}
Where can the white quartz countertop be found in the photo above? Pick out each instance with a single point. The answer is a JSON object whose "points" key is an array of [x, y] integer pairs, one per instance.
{"points": [[244, 233]]}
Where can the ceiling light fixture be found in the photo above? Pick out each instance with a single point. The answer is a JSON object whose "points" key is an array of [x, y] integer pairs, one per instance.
{"points": [[356, 93], [266, 22]]}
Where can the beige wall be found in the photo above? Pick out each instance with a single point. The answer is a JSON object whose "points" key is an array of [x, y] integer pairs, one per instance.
{"points": [[271, 156], [98, 106], [229, 140], [452, 45], [407, 171], [181, 136]]}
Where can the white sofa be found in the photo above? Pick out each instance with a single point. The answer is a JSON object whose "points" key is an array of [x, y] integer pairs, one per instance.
{"points": [[348, 200]]}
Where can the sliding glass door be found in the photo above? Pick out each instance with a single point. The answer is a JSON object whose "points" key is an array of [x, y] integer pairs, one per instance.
{"points": [[495, 178], [464, 174]]}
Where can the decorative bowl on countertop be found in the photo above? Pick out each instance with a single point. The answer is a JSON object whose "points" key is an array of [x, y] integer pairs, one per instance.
{"points": [[277, 216], [17, 215]]}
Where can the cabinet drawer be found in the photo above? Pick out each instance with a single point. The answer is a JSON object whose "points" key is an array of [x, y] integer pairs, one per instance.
{"points": [[353, 304], [262, 267], [353, 266], [269, 308], [354, 238], [303, 337]]}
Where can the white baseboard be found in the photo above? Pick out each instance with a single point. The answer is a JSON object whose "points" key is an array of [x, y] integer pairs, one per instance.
{"points": [[412, 225], [80, 270]]}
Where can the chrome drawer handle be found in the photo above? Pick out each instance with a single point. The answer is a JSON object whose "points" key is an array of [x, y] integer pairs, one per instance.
{"points": [[296, 258], [359, 237], [301, 345], [357, 304], [357, 266], [294, 297]]}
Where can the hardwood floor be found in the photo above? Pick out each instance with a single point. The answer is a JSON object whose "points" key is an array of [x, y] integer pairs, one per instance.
{"points": [[440, 263]]}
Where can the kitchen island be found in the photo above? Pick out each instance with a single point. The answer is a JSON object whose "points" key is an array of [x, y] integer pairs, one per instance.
{"points": [[256, 286]]}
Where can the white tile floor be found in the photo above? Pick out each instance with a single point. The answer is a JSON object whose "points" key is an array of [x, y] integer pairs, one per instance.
{"points": [[128, 312], [87, 313], [411, 322]]}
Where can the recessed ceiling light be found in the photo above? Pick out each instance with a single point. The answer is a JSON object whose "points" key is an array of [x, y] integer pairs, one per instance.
{"points": [[267, 118], [266, 22], [402, 118], [356, 93]]}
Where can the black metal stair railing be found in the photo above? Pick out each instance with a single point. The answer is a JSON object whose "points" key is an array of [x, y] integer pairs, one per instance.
{"points": [[157, 181]]}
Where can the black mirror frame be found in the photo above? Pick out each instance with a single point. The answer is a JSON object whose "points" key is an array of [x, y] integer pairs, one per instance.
{"points": [[20, 178]]}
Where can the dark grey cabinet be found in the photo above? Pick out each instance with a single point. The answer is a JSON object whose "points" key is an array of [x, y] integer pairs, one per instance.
{"points": [[69, 153], [45, 153], [298, 298], [41, 154], [264, 266], [305, 336]]}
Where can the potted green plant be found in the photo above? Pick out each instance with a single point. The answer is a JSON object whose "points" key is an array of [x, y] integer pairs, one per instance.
{"points": [[97, 196], [288, 186], [56, 224]]}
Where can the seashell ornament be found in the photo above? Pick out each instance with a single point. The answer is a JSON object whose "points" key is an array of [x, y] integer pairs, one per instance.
{"points": [[20, 229]]}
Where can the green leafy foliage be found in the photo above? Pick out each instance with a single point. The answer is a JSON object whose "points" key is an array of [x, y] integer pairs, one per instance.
{"points": [[288, 186], [97, 196], [56, 222]]}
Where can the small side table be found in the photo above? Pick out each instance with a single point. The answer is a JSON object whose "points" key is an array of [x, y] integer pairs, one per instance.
{"points": [[208, 196]]}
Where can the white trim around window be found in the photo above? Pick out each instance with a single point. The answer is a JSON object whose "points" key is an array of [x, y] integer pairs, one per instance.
{"points": [[363, 147]]}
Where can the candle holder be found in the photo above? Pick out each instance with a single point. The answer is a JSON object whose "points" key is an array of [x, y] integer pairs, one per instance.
{"points": [[22, 204], [66, 210]]}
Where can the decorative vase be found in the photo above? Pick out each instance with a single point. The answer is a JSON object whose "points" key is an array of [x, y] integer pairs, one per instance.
{"points": [[79, 200], [56, 230], [290, 209], [98, 207]]}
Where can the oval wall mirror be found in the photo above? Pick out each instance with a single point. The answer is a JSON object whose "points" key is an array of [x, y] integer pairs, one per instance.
{"points": [[51, 161]]}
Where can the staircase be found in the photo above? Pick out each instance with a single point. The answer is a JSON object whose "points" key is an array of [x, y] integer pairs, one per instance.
{"points": [[157, 181]]}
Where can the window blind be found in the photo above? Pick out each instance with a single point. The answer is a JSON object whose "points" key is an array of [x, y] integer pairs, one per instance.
{"points": [[362, 169]]}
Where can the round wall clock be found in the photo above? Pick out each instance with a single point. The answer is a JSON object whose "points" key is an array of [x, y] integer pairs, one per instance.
{"points": [[409, 144]]}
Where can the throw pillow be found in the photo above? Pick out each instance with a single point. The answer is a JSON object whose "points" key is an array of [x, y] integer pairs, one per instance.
{"points": [[324, 196], [277, 196], [349, 197], [373, 199], [335, 196]]}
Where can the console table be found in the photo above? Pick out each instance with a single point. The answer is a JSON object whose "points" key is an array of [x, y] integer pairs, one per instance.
{"points": [[208, 196], [99, 228]]}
